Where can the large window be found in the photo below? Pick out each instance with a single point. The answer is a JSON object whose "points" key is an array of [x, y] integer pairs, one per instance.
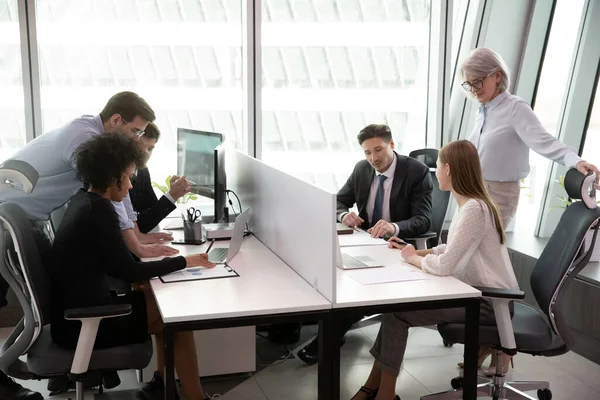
{"points": [[592, 137], [183, 57], [549, 101], [329, 68], [12, 115]]}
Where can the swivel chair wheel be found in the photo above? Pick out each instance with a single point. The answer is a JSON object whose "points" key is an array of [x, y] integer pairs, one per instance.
{"points": [[448, 344], [457, 383], [544, 394]]}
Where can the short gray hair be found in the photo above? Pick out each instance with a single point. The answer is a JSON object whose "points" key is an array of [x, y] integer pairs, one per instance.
{"points": [[483, 62]]}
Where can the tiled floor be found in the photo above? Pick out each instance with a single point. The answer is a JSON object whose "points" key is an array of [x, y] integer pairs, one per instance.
{"points": [[428, 368]]}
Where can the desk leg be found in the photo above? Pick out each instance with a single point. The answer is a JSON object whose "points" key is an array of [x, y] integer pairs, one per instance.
{"points": [[329, 358], [169, 373], [471, 350]]}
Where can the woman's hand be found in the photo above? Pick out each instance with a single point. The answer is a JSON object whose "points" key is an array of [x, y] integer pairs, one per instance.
{"points": [[584, 167], [199, 260], [156, 237], [408, 251], [396, 243]]}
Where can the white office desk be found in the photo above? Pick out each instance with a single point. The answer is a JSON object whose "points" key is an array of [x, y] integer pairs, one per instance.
{"points": [[432, 293], [267, 290], [266, 285], [351, 293]]}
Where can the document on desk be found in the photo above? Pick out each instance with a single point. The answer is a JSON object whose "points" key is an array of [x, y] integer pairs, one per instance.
{"points": [[360, 238], [200, 273], [396, 273]]}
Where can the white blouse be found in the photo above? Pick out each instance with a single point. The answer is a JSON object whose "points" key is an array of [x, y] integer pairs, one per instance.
{"points": [[505, 130], [473, 253]]}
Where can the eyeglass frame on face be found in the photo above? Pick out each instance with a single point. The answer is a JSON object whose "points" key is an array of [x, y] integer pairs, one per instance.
{"points": [[137, 132], [476, 84]]}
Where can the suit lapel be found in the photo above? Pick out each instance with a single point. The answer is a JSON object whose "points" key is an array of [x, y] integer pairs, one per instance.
{"points": [[366, 178]]}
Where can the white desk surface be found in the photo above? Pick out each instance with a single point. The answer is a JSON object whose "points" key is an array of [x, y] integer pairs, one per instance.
{"points": [[360, 238], [266, 285], [350, 293]]}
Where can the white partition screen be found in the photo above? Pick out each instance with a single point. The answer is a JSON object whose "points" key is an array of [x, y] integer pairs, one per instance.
{"points": [[293, 218]]}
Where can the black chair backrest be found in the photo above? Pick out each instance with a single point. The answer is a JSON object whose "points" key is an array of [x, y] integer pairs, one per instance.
{"points": [[439, 198], [562, 259], [21, 266]]}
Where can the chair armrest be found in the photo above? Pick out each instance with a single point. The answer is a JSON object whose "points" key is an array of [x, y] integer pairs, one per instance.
{"points": [[500, 304], [112, 310], [420, 241], [426, 235], [117, 286], [90, 318], [500, 293]]}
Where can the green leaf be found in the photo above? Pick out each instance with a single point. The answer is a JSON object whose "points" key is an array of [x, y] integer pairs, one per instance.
{"points": [[162, 188], [168, 182]]}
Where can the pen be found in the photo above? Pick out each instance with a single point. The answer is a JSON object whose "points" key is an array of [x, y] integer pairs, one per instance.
{"points": [[210, 245]]}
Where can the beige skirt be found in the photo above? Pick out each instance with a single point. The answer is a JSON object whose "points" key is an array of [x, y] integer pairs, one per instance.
{"points": [[506, 196]]}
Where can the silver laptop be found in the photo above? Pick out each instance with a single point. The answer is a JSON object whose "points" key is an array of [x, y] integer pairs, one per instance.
{"points": [[346, 261], [225, 254]]}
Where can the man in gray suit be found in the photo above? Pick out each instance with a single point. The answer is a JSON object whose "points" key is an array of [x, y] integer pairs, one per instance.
{"points": [[393, 196]]}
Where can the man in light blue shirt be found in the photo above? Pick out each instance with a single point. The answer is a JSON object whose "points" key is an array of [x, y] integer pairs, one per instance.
{"points": [[51, 155]]}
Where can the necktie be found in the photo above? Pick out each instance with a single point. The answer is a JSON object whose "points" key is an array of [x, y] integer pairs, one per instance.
{"points": [[378, 201]]}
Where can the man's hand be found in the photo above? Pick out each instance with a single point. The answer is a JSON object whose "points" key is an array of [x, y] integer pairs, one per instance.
{"points": [[199, 260], [381, 228], [584, 167], [156, 250], [352, 220], [158, 237], [179, 186], [396, 243]]}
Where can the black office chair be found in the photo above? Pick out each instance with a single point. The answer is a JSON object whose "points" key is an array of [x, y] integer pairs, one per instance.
{"points": [[22, 268], [541, 333], [439, 199]]}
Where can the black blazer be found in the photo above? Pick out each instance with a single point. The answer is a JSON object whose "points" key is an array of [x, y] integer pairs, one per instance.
{"points": [[410, 198], [150, 209], [89, 247]]}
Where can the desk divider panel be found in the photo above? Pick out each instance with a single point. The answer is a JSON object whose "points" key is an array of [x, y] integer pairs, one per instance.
{"points": [[293, 218]]}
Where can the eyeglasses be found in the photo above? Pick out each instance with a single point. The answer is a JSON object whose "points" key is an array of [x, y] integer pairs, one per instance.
{"points": [[476, 84], [135, 130]]}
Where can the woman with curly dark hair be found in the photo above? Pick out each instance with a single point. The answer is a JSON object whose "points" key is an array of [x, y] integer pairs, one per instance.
{"points": [[89, 247]]}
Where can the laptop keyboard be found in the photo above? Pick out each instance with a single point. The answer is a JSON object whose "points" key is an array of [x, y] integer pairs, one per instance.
{"points": [[351, 262], [218, 255], [173, 223]]}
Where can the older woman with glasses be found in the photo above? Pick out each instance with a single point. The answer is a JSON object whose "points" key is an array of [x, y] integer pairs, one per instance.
{"points": [[505, 130]]}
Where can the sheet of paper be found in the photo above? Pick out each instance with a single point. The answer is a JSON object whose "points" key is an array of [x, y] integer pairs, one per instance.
{"points": [[397, 273], [199, 273], [360, 238]]}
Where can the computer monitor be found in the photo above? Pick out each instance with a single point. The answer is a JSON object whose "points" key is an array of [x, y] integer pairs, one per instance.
{"points": [[220, 180], [195, 159]]}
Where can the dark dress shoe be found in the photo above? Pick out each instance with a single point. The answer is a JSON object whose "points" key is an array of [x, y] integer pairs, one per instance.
{"points": [[310, 353], [11, 390]]}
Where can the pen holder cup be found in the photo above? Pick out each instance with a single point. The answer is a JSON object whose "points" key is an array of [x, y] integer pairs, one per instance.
{"points": [[192, 231]]}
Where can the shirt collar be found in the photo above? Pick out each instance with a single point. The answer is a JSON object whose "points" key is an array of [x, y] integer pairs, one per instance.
{"points": [[490, 105], [389, 173]]}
